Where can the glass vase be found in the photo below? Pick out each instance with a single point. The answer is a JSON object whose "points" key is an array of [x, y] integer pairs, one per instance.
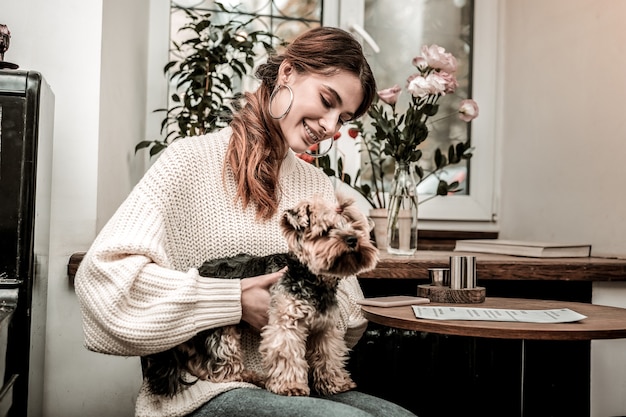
{"points": [[402, 214]]}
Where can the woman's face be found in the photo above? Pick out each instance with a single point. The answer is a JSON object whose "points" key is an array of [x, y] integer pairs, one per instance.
{"points": [[321, 104]]}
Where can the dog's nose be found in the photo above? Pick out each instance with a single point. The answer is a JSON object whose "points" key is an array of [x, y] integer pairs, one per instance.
{"points": [[351, 241]]}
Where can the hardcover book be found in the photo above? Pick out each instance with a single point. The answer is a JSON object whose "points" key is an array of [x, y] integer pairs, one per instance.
{"points": [[393, 301], [524, 248]]}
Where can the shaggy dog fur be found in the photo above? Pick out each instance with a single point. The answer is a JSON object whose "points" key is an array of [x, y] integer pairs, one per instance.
{"points": [[301, 342]]}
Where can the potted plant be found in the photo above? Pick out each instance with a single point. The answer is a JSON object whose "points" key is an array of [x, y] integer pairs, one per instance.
{"points": [[211, 57]]}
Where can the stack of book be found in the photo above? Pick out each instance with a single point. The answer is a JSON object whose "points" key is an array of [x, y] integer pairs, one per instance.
{"points": [[524, 248]]}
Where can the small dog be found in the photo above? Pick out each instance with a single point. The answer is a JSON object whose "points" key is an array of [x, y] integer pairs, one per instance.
{"points": [[301, 341]]}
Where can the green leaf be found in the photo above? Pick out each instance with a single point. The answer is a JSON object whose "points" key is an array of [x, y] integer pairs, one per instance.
{"points": [[143, 144], [156, 148], [440, 159], [442, 188], [329, 172], [430, 109], [453, 187], [340, 164], [168, 66], [419, 171]]}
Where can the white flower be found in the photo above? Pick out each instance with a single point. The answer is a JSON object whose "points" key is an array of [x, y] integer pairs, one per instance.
{"points": [[419, 87], [468, 110]]}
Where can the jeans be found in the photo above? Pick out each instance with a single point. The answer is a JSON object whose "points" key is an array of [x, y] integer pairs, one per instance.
{"points": [[250, 402]]}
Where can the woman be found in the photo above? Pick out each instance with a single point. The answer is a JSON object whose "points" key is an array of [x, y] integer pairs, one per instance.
{"points": [[218, 195]]}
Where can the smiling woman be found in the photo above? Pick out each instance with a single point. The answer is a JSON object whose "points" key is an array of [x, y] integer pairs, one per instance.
{"points": [[221, 194]]}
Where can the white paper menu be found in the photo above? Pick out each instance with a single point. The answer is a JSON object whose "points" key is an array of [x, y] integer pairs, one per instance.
{"points": [[559, 315]]}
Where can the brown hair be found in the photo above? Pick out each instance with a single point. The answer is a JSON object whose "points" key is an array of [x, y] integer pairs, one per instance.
{"points": [[257, 147]]}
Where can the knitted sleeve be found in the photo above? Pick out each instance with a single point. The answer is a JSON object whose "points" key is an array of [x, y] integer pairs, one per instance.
{"points": [[133, 300], [349, 292]]}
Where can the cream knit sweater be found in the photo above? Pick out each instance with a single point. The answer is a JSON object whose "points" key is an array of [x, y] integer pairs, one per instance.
{"points": [[138, 285]]}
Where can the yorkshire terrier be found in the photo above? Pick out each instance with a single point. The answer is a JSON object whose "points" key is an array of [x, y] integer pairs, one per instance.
{"points": [[301, 341]]}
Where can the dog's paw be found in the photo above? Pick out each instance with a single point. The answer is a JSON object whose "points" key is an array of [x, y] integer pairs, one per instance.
{"points": [[330, 387], [288, 389]]}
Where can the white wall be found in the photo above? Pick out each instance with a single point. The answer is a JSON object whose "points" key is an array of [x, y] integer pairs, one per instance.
{"points": [[122, 101], [563, 143], [562, 136]]}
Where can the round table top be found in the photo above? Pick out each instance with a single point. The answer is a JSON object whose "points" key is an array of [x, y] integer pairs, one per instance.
{"points": [[602, 322]]}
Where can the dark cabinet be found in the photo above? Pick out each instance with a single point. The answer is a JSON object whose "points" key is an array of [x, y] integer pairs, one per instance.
{"points": [[26, 121]]}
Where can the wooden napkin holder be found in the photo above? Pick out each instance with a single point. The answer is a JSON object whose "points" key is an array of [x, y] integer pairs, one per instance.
{"points": [[443, 294]]}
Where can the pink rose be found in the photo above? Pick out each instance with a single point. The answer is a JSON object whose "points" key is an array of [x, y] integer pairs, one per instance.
{"points": [[420, 63], [411, 77], [437, 58], [390, 95], [432, 84], [419, 87], [438, 84], [451, 82], [468, 110]]}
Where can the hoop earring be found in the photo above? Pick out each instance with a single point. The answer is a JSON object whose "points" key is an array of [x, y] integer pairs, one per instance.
{"points": [[273, 95], [319, 155]]}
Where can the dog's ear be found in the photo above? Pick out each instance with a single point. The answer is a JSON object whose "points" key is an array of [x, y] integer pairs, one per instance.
{"points": [[343, 200], [297, 218], [349, 210], [346, 206], [343, 205]]}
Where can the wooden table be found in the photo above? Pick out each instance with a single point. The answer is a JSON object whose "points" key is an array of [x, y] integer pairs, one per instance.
{"points": [[602, 322]]}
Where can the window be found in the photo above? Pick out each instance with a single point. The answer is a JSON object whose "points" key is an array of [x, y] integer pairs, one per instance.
{"points": [[467, 28]]}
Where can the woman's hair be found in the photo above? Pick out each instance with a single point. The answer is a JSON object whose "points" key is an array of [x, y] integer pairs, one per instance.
{"points": [[257, 147]]}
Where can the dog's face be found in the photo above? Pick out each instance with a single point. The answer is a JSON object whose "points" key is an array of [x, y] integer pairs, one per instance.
{"points": [[330, 239]]}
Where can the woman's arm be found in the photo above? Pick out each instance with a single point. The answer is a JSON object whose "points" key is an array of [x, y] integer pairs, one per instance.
{"points": [[134, 304], [137, 286]]}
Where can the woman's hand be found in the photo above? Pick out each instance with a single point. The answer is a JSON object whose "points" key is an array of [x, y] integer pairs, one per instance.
{"points": [[255, 298]]}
